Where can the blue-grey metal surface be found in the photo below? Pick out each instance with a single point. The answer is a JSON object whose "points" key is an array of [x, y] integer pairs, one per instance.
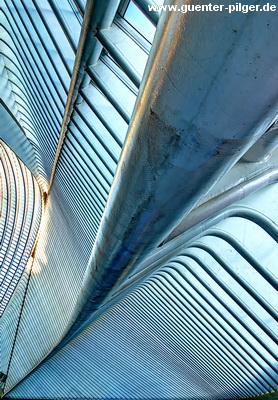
{"points": [[20, 216], [21, 209], [39, 40], [262, 150], [179, 132], [188, 329], [178, 335], [13, 135]]}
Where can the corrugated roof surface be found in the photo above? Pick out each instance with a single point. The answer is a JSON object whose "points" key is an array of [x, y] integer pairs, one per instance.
{"points": [[203, 325]]}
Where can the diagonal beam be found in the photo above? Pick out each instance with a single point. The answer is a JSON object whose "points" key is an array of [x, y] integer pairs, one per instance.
{"points": [[207, 95], [97, 15]]}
